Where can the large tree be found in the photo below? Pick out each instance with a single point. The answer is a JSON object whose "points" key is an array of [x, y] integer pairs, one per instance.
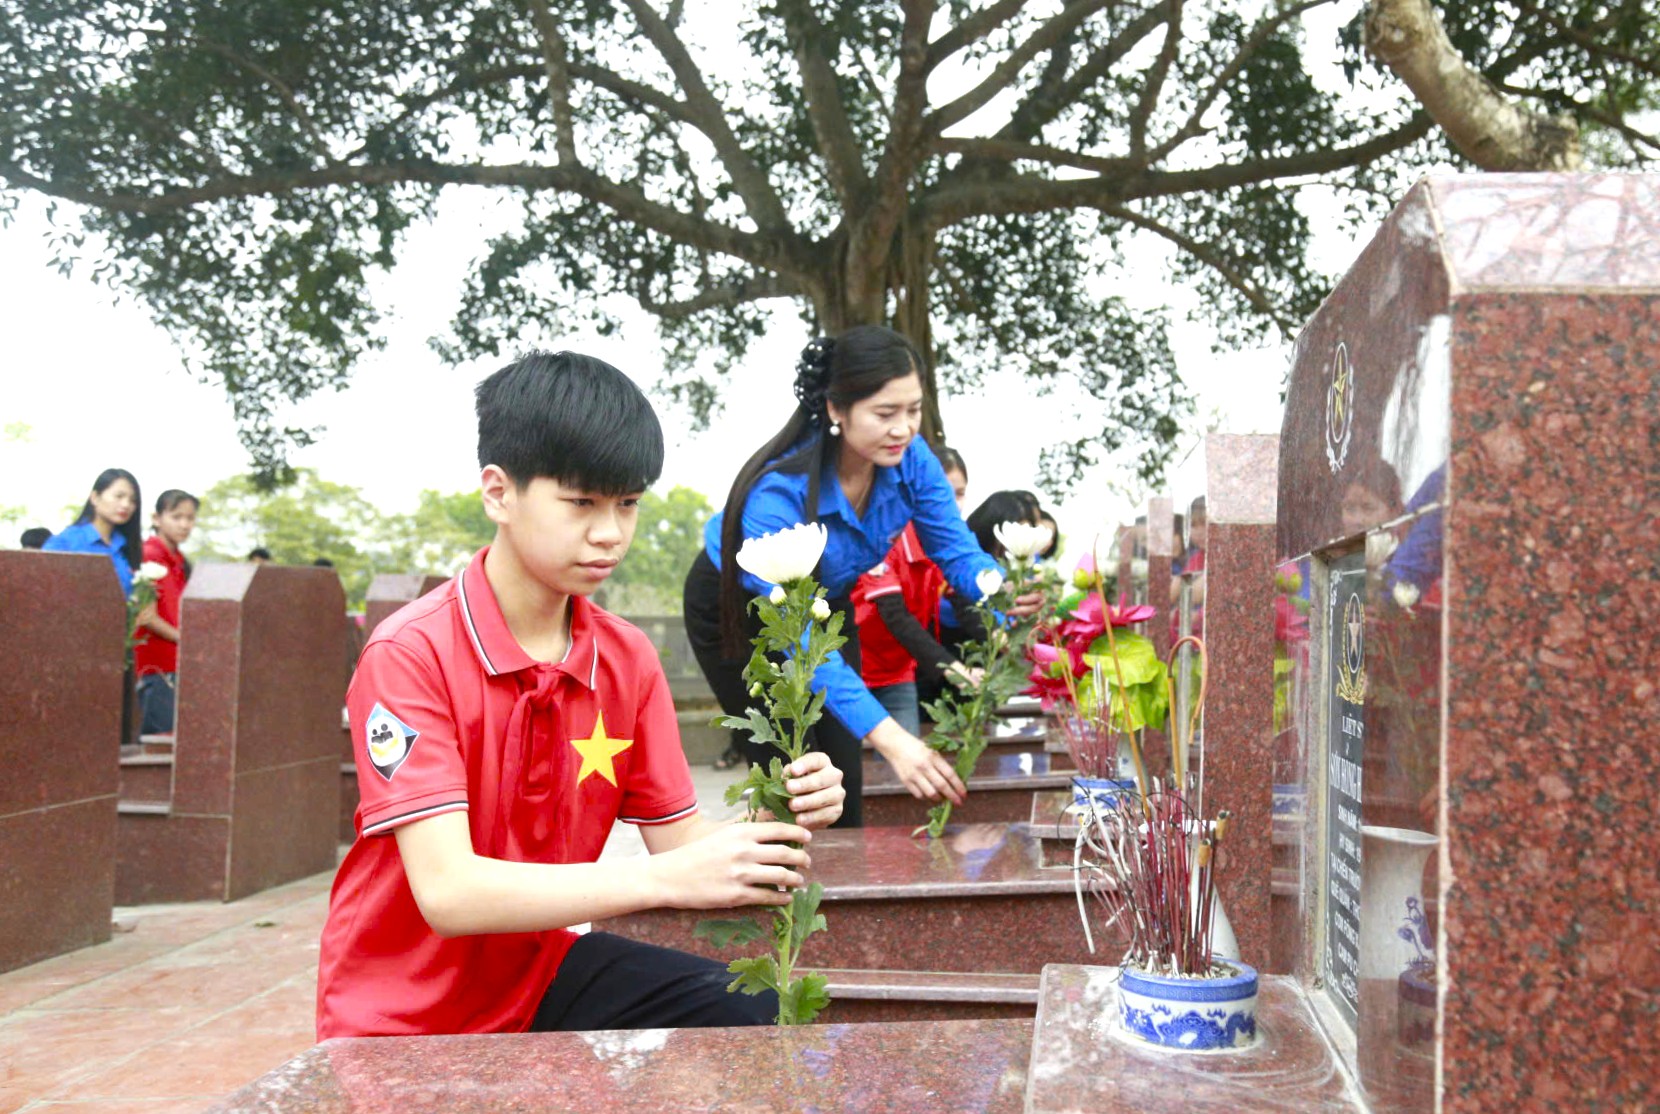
{"points": [[968, 171]]}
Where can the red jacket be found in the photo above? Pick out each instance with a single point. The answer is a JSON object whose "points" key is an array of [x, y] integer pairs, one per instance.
{"points": [[154, 654], [907, 571]]}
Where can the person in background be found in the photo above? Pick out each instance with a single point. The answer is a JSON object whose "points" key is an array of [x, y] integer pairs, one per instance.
{"points": [[156, 651], [848, 460], [259, 555], [322, 563], [1054, 545], [35, 537], [959, 626], [107, 525], [897, 605]]}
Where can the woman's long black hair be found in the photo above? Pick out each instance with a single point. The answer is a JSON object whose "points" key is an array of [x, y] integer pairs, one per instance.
{"points": [[131, 536], [842, 370]]}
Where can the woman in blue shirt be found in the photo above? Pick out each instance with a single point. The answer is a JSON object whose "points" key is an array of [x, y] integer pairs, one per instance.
{"points": [[848, 458], [108, 525]]}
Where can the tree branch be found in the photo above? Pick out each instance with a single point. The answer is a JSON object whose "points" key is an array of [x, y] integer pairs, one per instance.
{"points": [[1009, 150], [904, 149], [318, 144], [1252, 294], [1149, 99], [965, 200], [1407, 36], [1044, 104], [972, 30], [749, 288], [747, 178], [836, 141], [1045, 37], [763, 252], [1260, 34], [555, 59]]}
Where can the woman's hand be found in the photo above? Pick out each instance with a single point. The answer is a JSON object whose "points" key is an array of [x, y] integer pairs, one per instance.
{"points": [[924, 771], [816, 793], [1025, 605], [964, 676]]}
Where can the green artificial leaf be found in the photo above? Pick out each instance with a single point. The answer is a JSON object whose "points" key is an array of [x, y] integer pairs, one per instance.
{"points": [[1137, 660], [756, 974], [803, 999], [729, 933]]}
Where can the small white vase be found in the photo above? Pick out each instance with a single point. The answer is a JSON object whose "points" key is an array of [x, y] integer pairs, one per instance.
{"points": [[1393, 935]]}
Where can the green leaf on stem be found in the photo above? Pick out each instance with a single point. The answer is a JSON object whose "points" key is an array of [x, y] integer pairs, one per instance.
{"points": [[805, 919], [803, 999], [756, 974], [729, 933]]}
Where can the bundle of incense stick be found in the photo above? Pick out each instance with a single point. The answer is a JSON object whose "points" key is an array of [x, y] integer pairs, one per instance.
{"points": [[1152, 868]]}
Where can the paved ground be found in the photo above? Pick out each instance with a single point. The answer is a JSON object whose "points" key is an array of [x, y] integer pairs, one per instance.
{"points": [[188, 1003]]}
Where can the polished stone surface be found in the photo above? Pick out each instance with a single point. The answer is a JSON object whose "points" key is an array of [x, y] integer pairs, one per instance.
{"points": [[897, 903], [921, 1068], [1083, 1060], [998, 797], [1238, 579], [389, 591], [61, 667], [257, 753], [1506, 328]]}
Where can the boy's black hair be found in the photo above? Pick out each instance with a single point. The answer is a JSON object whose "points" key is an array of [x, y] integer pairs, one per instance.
{"points": [[259, 552], [35, 537], [570, 418]]}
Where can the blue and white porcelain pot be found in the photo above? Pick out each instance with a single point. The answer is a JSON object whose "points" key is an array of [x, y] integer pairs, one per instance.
{"points": [[1191, 1013]]}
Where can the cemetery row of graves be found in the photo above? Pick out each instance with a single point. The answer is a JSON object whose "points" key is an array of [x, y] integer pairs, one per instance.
{"points": [[1421, 708]]}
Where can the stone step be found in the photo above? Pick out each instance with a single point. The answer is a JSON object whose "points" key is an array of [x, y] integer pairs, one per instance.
{"points": [[144, 808], [145, 776], [865, 996], [897, 903], [992, 798]]}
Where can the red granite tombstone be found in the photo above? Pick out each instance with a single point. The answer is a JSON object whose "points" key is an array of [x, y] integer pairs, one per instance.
{"points": [[256, 776], [1468, 480], [60, 734], [1238, 574]]}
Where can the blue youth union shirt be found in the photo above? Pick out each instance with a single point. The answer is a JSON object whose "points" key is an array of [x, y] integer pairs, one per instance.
{"points": [[83, 538], [914, 490]]}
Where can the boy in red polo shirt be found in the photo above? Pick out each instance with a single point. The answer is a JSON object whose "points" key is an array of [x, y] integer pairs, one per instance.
{"points": [[501, 725]]}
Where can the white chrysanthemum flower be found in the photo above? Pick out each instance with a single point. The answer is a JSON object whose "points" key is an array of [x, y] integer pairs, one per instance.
{"points": [[778, 596], [786, 556], [151, 571], [1021, 539], [821, 610], [989, 582], [1406, 594]]}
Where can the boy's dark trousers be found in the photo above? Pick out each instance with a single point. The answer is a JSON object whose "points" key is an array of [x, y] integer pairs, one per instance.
{"points": [[726, 677], [609, 982]]}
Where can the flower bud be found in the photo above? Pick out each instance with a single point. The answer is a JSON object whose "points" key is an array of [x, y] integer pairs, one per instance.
{"points": [[778, 594], [989, 582], [1082, 578], [755, 689], [821, 610]]}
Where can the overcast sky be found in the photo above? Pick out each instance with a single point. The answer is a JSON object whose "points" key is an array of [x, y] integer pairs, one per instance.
{"points": [[98, 385]]}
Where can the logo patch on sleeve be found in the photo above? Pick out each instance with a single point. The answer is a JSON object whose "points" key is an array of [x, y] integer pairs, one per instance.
{"points": [[388, 740]]}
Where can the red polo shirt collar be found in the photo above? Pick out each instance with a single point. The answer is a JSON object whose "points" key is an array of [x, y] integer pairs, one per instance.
{"points": [[499, 652]]}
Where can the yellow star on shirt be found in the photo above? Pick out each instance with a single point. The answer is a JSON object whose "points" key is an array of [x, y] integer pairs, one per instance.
{"points": [[597, 750]]}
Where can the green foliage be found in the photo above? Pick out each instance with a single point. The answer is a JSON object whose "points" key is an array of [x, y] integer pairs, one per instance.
{"points": [[309, 518], [248, 171], [791, 647], [442, 533], [1138, 683], [963, 718]]}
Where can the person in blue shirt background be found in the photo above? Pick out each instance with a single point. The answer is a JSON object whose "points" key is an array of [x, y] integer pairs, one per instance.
{"points": [[848, 458], [108, 525]]}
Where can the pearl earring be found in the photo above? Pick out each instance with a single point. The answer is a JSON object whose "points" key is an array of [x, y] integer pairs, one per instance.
{"points": [[835, 428]]}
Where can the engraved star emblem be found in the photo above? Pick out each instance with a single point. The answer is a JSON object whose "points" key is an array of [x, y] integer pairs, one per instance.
{"points": [[597, 750], [1340, 387]]}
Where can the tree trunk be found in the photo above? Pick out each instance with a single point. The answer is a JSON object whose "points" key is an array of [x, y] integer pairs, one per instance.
{"points": [[848, 298], [1487, 128]]}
